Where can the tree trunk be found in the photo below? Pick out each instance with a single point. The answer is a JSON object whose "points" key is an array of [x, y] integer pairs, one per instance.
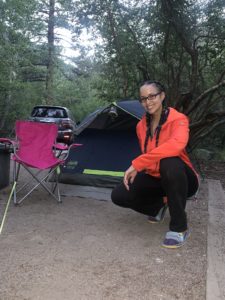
{"points": [[50, 65], [118, 50]]}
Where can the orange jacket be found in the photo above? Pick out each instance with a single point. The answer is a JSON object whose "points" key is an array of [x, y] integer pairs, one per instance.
{"points": [[173, 139]]}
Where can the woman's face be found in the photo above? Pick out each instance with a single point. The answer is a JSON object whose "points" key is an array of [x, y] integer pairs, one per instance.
{"points": [[151, 98]]}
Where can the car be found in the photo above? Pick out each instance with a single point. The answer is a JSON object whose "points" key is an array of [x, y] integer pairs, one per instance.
{"points": [[59, 115]]}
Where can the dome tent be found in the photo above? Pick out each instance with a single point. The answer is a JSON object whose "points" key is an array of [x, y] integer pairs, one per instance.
{"points": [[109, 143]]}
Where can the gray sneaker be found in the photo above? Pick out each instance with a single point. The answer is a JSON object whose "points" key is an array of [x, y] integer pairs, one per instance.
{"points": [[175, 240], [160, 215]]}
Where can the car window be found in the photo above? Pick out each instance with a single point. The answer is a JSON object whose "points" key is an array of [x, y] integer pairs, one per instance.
{"points": [[43, 112], [38, 112]]}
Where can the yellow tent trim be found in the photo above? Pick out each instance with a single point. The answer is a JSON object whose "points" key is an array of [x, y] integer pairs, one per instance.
{"points": [[103, 172]]}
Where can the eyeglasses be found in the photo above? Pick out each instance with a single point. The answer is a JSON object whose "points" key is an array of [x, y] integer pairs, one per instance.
{"points": [[150, 97]]}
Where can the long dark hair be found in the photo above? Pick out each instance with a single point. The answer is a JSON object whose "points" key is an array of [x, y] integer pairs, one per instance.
{"points": [[165, 111]]}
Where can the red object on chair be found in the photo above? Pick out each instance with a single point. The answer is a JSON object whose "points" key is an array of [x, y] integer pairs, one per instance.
{"points": [[35, 149]]}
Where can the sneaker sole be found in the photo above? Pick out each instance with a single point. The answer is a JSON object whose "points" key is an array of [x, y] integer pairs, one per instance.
{"points": [[162, 219], [173, 247], [155, 222]]}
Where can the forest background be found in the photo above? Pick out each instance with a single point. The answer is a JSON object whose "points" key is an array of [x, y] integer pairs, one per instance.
{"points": [[180, 43]]}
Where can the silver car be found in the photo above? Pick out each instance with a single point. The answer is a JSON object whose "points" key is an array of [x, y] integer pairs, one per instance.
{"points": [[59, 115]]}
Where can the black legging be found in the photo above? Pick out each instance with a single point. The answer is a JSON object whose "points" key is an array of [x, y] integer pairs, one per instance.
{"points": [[177, 182]]}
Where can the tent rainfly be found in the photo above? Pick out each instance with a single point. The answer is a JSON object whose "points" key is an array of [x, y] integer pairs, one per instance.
{"points": [[109, 143]]}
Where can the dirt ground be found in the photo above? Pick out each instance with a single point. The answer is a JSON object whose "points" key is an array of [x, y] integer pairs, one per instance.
{"points": [[85, 249]]}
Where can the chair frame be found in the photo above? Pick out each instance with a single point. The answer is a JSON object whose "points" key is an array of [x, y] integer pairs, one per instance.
{"points": [[34, 176], [61, 151]]}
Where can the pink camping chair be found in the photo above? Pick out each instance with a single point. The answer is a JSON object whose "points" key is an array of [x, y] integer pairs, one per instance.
{"points": [[35, 150]]}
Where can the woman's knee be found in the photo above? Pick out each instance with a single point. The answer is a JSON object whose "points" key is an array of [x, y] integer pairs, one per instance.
{"points": [[114, 196], [171, 168], [118, 195]]}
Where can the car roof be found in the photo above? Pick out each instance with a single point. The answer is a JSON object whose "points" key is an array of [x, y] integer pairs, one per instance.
{"points": [[50, 106]]}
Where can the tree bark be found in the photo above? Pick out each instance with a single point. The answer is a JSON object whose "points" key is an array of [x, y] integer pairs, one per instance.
{"points": [[118, 50], [199, 100], [50, 65]]}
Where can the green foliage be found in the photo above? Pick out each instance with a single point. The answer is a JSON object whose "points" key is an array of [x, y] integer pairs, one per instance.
{"points": [[180, 43], [80, 94], [220, 155]]}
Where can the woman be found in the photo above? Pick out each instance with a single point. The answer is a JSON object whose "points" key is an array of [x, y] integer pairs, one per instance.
{"points": [[162, 176]]}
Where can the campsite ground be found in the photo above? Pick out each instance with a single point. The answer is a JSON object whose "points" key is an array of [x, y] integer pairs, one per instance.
{"points": [[85, 249], [213, 170]]}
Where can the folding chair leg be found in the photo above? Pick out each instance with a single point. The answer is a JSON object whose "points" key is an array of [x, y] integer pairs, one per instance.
{"points": [[16, 171], [40, 182], [57, 183], [27, 183]]}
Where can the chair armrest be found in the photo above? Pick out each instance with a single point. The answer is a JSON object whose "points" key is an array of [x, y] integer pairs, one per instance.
{"points": [[10, 145], [74, 146], [8, 141], [60, 146]]}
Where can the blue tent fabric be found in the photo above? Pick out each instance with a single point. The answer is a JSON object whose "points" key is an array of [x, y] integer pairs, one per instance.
{"points": [[109, 145], [132, 107], [95, 119]]}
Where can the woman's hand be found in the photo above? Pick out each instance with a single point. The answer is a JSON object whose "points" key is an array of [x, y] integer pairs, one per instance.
{"points": [[129, 176]]}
